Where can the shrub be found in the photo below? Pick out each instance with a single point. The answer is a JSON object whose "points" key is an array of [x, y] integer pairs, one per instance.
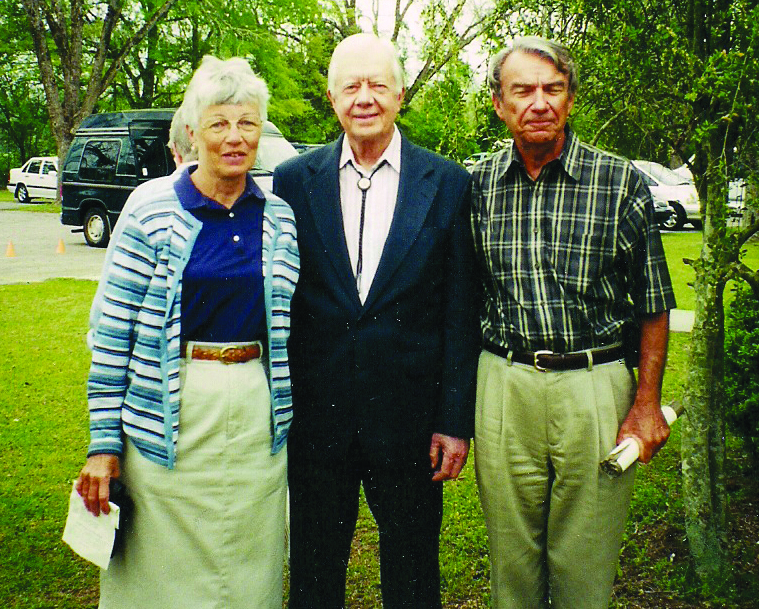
{"points": [[742, 370]]}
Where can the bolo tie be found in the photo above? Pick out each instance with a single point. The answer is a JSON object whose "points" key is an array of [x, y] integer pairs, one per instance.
{"points": [[364, 183]]}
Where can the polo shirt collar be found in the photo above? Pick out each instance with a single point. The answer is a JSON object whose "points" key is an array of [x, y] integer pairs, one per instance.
{"points": [[192, 198]]}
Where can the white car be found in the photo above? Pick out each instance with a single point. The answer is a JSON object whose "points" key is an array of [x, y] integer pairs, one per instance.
{"points": [[37, 179], [471, 161], [273, 149], [677, 190]]}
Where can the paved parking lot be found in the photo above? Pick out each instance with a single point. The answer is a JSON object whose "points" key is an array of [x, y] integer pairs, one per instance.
{"points": [[37, 239]]}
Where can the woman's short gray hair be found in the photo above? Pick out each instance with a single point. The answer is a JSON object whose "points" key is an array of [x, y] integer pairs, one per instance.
{"points": [[217, 82], [556, 53]]}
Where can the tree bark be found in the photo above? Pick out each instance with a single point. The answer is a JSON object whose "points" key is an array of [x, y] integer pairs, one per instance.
{"points": [[68, 107], [703, 445]]}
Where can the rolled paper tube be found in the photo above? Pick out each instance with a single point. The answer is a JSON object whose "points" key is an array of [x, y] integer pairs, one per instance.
{"points": [[627, 452]]}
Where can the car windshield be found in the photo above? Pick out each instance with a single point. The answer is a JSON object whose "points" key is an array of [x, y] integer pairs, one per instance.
{"points": [[661, 174]]}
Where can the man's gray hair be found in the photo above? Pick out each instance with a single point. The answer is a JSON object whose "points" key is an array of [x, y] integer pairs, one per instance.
{"points": [[179, 139], [556, 53], [220, 82], [384, 43]]}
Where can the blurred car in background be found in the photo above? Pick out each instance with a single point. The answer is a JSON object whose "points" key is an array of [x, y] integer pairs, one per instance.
{"points": [[736, 199], [663, 213], [302, 147], [677, 190], [471, 161], [36, 179]]}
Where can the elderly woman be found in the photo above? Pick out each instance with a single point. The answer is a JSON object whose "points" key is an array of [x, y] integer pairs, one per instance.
{"points": [[189, 388]]}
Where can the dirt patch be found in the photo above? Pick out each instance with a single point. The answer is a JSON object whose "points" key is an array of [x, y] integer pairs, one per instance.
{"points": [[643, 584]]}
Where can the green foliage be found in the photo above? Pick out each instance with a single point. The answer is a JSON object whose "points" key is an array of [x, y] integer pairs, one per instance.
{"points": [[742, 370], [439, 117], [24, 125]]}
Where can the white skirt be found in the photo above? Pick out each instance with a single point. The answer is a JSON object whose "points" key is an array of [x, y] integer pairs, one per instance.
{"points": [[208, 534]]}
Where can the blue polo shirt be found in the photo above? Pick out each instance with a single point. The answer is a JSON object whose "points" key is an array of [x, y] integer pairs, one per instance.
{"points": [[222, 284]]}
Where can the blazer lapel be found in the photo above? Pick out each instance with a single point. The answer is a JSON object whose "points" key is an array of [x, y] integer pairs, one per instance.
{"points": [[324, 189], [416, 192]]}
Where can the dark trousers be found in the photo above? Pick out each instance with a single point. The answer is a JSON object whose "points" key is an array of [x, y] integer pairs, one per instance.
{"points": [[324, 500]]}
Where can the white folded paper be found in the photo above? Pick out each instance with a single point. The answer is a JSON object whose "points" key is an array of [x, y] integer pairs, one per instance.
{"points": [[90, 536], [627, 452]]}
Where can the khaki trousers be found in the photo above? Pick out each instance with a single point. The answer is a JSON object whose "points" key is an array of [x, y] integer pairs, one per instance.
{"points": [[554, 521]]}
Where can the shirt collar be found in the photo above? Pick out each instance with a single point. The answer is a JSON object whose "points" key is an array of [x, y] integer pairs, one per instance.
{"points": [[569, 158], [570, 155], [191, 198], [392, 153]]}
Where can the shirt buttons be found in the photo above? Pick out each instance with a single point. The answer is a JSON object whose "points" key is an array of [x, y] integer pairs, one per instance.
{"points": [[231, 214], [236, 238]]}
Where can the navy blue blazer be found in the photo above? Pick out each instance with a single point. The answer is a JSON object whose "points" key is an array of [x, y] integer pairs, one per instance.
{"points": [[403, 365]]}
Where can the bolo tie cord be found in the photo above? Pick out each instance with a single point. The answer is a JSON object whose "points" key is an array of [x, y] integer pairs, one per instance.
{"points": [[364, 183]]}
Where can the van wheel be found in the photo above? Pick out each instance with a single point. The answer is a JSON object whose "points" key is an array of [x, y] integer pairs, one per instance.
{"points": [[22, 194], [96, 229], [678, 219]]}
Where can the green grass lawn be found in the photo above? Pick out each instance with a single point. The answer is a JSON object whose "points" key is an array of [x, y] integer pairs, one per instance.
{"points": [[43, 427], [687, 244], [38, 205]]}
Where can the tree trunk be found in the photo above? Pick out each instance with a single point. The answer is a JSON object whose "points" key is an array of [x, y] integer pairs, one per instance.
{"points": [[703, 433]]}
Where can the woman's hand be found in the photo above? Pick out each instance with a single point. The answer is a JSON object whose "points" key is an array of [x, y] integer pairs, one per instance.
{"points": [[92, 483]]}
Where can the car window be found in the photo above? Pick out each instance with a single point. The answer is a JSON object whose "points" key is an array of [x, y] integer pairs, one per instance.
{"points": [[34, 167], [71, 164], [150, 157], [99, 160], [48, 167], [648, 179], [661, 174]]}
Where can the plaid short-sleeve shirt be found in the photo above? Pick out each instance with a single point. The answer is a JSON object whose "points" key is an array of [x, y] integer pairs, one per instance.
{"points": [[570, 258]]}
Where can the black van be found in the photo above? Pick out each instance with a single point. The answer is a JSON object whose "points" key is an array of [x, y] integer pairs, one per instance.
{"points": [[111, 154], [114, 152]]}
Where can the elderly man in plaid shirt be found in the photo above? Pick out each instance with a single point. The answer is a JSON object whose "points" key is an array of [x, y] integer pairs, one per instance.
{"points": [[577, 293]]}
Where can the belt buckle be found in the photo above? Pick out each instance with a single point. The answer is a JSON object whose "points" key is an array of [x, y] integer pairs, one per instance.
{"points": [[535, 356], [223, 354]]}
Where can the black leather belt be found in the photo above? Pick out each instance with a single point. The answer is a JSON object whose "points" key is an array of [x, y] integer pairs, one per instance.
{"points": [[548, 360]]}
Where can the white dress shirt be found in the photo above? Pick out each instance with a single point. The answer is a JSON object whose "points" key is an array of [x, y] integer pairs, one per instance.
{"points": [[380, 207]]}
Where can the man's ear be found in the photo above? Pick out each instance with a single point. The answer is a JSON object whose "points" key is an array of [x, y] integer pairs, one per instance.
{"points": [[497, 105]]}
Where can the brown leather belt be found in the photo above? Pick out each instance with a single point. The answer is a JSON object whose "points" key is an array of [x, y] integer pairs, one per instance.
{"points": [[227, 354], [544, 361]]}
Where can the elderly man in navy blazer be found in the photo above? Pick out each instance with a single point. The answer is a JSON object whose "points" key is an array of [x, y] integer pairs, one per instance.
{"points": [[384, 341]]}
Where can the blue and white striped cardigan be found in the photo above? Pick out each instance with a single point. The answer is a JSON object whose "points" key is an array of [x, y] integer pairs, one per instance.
{"points": [[133, 386]]}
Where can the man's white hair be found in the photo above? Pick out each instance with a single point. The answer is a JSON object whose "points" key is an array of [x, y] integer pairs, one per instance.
{"points": [[363, 39]]}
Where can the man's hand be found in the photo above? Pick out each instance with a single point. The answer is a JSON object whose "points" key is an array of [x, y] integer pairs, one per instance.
{"points": [[454, 453], [646, 424], [645, 421], [94, 479]]}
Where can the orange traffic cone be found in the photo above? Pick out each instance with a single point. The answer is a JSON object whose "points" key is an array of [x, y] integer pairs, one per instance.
{"points": [[10, 251], [61, 249]]}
